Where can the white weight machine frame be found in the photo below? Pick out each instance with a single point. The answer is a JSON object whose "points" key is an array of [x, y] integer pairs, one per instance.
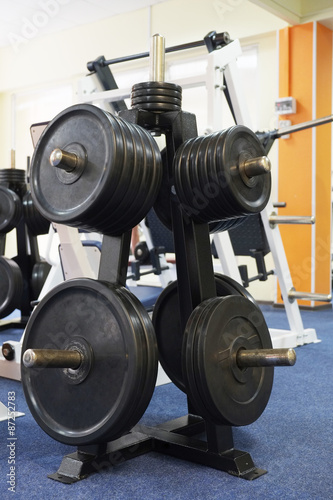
{"points": [[222, 64]]}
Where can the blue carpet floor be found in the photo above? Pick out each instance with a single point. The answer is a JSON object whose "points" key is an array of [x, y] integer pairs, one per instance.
{"points": [[292, 440]]}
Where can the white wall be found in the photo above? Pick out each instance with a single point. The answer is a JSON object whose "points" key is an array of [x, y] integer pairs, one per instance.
{"points": [[47, 69], [60, 59]]}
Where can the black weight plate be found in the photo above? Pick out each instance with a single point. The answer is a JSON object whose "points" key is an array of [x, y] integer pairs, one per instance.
{"points": [[155, 106], [107, 217], [151, 358], [157, 86], [225, 225], [194, 191], [69, 203], [39, 274], [156, 92], [246, 198], [190, 193], [36, 223], [209, 184], [212, 182], [142, 183], [97, 409], [123, 198], [145, 190], [228, 394], [14, 178], [220, 205], [162, 203], [10, 209], [156, 96], [188, 187], [188, 365], [181, 174], [153, 98], [166, 320], [11, 286]]}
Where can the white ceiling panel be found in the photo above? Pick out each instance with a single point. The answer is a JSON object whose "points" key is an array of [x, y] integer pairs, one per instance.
{"points": [[300, 11], [18, 16]]}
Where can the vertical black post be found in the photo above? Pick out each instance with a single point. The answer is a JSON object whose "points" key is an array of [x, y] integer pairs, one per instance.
{"points": [[2, 244], [219, 437], [25, 263], [114, 258], [107, 81]]}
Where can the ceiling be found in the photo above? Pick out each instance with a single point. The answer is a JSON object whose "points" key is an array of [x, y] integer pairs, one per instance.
{"points": [[31, 18], [300, 11]]}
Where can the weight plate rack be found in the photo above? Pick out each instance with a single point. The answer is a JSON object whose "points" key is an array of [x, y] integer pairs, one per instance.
{"points": [[94, 341], [23, 276]]}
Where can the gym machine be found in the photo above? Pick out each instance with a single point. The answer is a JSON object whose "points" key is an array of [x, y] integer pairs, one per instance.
{"points": [[222, 81], [23, 276], [103, 173]]}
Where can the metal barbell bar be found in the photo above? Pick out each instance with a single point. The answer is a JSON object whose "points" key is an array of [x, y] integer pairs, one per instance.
{"points": [[301, 126], [275, 219], [319, 297], [265, 357], [53, 358], [157, 59], [63, 159], [256, 166]]}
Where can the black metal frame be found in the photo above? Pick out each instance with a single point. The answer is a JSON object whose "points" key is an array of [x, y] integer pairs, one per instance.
{"points": [[180, 438], [190, 437], [212, 41], [27, 256]]}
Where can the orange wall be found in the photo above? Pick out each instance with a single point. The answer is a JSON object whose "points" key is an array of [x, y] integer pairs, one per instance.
{"points": [[295, 154], [323, 158]]}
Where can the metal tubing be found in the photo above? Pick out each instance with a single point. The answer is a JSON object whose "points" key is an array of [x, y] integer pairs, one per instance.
{"points": [[265, 357], [319, 297], [290, 219], [157, 58], [176, 48], [257, 166], [302, 126], [62, 159], [51, 358], [279, 204]]}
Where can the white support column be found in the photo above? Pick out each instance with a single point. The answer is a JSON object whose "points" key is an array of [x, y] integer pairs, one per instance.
{"points": [[219, 62], [4, 413], [297, 335], [226, 256], [75, 262], [166, 276]]}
